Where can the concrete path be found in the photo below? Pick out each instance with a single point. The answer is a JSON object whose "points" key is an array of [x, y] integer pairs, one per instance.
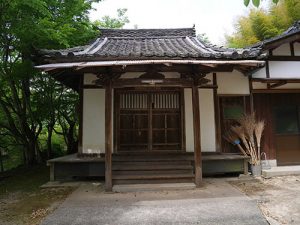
{"points": [[216, 203]]}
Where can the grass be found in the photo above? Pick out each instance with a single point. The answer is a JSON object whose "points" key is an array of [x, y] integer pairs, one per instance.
{"points": [[22, 201], [13, 159]]}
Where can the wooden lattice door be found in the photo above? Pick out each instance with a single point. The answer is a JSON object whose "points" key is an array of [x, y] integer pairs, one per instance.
{"points": [[148, 121]]}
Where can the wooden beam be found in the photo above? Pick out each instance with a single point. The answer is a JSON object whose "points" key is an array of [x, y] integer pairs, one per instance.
{"points": [[278, 84], [108, 137], [215, 87], [92, 86], [271, 91], [284, 58], [251, 94], [137, 82], [292, 49], [275, 80], [197, 137]]}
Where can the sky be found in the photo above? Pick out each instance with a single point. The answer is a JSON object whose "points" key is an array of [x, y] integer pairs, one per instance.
{"points": [[215, 18]]}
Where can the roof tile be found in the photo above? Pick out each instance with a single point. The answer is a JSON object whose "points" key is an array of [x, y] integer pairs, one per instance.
{"points": [[135, 44]]}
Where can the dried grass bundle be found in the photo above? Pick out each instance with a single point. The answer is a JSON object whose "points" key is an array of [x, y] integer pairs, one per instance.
{"points": [[232, 138], [248, 122], [249, 132], [239, 130], [259, 128]]}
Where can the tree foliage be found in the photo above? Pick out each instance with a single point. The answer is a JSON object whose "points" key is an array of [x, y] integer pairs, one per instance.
{"points": [[110, 22], [32, 103], [257, 2], [263, 24]]}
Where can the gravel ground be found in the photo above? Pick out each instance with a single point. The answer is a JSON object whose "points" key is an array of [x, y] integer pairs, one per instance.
{"points": [[217, 202], [277, 197]]}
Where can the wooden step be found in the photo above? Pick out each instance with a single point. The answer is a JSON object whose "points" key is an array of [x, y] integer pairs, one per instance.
{"points": [[150, 178], [152, 172], [151, 167], [147, 168], [141, 158], [152, 163]]}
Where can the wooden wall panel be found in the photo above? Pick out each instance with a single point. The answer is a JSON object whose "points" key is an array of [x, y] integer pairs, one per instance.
{"points": [[263, 109]]}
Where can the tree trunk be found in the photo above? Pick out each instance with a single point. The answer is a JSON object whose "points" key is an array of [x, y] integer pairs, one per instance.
{"points": [[30, 154], [71, 142], [1, 162], [50, 128]]}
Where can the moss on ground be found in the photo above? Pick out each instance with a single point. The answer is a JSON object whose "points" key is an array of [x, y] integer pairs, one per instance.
{"points": [[22, 201]]}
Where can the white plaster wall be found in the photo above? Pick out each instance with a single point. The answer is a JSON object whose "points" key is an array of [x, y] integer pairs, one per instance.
{"points": [[89, 78], [297, 49], [210, 77], [232, 83], [189, 130], [260, 73], [282, 50], [284, 69], [258, 85], [207, 120], [93, 132]]}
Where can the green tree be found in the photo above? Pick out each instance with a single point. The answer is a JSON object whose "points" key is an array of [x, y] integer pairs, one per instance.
{"points": [[203, 37], [257, 2], [24, 25], [109, 22], [263, 24], [32, 103]]}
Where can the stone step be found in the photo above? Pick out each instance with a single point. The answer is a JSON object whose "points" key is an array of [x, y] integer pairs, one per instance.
{"points": [[281, 171], [153, 187], [152, 178]]}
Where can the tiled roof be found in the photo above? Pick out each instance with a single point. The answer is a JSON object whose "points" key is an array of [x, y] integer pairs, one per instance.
{"points": [[294, 29], [133, 44]]}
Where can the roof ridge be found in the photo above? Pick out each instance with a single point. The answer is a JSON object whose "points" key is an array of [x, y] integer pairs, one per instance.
{"points": [[160, 32]]}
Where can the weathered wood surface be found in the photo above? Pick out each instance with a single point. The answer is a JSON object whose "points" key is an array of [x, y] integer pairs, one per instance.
{"points": [[108, 137], [197, 140]]}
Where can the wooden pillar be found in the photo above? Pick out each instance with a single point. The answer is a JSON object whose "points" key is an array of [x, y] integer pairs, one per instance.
{"points": [[80, 131], [251, 95], [218, 137], [108, 137], [197, 138]]}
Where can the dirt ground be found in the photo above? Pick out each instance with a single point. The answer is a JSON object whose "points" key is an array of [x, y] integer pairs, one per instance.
{"points": [[23, 202], [278, 197]]}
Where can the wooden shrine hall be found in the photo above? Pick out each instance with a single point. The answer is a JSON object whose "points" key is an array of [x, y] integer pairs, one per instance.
{"points": [[151, 100]]}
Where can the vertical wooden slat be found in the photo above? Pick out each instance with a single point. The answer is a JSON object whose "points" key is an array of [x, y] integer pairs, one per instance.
{"points": [[197, 139], [108, 137]]}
